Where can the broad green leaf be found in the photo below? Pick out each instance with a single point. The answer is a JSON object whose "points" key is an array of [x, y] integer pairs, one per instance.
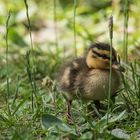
{"points": [[119, 133], [49, 121], [116, 118]]}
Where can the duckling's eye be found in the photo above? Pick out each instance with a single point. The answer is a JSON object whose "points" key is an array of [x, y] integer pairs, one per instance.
{"points": [[94, 56], [104, 56]]}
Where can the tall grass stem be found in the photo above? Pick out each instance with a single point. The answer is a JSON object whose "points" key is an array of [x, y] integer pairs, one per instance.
{"points": [[32, 58], [55, 27], [125, 37], [110, 68], [7, 61], [74, 25]]}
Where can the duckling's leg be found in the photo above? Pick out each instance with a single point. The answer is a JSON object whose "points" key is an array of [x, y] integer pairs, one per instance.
{"points": [[113, 99], [96, 108], [97, 104], [69, 103], [69, 117]]}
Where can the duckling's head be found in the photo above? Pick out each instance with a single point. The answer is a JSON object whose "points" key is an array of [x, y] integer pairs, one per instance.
{"points": [[98, 57]]}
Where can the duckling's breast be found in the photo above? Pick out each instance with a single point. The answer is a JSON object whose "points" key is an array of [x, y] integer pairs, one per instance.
{"points": [[95, 84]]}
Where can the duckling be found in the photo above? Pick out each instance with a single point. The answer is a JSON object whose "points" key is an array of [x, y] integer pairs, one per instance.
{"points": [[87, 77]]}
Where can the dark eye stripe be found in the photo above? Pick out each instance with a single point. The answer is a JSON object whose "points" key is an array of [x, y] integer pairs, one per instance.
{"points": [[101, 55]]}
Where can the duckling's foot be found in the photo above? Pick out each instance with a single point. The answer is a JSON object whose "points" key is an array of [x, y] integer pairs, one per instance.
{"points": [[69, 118], [97, 108], [112, 102], [93, 108]]}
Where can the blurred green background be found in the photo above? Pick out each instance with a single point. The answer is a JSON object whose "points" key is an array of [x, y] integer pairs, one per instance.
{"points": [[53, 21]]}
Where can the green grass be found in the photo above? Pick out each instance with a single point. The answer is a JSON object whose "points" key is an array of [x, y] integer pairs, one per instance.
{"points": [[28, 117], [32, 106]]}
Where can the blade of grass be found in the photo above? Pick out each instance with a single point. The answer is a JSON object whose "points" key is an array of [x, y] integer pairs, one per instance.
{"points": [[135, 79], [125, 38], [56, 45], [31, 73], [6, 119], [74, 25], [7, 62], [29, 23], [129, 93], [16, 92], [133, 75], [18, 106], [55, 27], [110, 68], [139, 91]]}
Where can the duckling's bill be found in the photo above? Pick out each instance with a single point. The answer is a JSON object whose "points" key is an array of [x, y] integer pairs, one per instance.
{"points": [[118, 67]]}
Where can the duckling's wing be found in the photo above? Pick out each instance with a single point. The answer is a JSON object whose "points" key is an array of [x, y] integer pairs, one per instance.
{"points": [[82, 80], [69, 73]]}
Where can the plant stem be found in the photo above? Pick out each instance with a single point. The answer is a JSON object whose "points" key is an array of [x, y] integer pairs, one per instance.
{"points": [[74, 27], [55, 28], [7, 61], [32, 71], [125, 38], [110, 70]]}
